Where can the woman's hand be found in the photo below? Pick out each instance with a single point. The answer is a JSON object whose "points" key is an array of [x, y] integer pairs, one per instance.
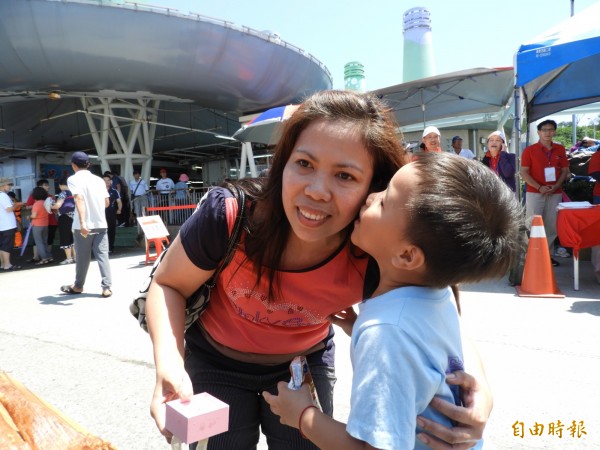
{"points": [[289, 404], [471, 418], [169, 386], [344, 319]]}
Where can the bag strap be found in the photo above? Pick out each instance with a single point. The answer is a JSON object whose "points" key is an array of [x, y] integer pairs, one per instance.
{"points": [[136, 187], [234, 238]]}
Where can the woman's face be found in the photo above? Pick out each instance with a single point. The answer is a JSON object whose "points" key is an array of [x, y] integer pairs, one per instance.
{"points": [[494, 144], [325, 180], [431, 141]]}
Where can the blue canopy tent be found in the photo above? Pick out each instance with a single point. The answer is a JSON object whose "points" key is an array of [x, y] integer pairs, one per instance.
{"points": [[560, 68]]}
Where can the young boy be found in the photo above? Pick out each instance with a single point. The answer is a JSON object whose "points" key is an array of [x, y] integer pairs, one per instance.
{"points": [[442, 221]]}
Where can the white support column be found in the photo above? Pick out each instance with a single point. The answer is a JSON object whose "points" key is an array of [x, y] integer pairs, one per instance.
{"points": [[248, 155], [123, 124]]}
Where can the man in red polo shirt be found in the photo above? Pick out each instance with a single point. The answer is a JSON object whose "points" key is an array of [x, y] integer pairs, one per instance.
{"points": [[544, 167]]}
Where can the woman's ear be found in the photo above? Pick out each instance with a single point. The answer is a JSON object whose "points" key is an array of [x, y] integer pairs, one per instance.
{"points": [[409, 258]]}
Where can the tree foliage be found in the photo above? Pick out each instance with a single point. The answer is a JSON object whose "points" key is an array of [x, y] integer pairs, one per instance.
{"points": [[564, 131]]}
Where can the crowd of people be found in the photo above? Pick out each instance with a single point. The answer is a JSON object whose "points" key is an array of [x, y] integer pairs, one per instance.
{"points": [[48, 214]]}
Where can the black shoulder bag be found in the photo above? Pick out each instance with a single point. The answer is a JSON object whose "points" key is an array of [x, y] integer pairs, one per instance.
{"points": [[197, 303]]}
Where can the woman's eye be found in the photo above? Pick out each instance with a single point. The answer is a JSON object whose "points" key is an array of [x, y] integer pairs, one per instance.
{"points": [[303, 163], [345, 176]]}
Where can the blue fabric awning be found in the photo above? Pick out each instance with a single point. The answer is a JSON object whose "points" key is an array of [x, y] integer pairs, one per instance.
{"points": [[560, 68]]}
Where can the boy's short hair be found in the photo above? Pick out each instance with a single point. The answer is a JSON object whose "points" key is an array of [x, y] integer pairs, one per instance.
{"points": [[466, 221]]}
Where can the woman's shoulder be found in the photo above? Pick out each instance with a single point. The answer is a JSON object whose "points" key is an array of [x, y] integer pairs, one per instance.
{"points": [[204, 235]]}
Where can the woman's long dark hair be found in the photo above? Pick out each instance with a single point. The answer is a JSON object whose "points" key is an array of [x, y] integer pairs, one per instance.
{"points": [[268, 234]]}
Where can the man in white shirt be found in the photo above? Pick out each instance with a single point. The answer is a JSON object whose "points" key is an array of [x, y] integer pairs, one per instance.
{"points": [[138, 189], [89, 224], [457, 146], [8, 225]]}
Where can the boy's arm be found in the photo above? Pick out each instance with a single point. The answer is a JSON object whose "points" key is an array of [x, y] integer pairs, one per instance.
{"points": [[294, 409]]}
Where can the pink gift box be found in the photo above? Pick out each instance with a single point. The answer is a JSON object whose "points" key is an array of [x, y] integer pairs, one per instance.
{"points": [[200, 418]]}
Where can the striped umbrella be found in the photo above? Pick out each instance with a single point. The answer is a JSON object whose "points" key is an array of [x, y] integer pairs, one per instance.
{"points": [[266, 127]]}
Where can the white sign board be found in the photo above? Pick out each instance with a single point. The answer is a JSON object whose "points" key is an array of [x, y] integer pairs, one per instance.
{"points": [[153, 227]]}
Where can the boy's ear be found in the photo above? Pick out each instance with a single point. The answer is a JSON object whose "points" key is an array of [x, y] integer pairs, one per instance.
{"points": [[409, 258]]}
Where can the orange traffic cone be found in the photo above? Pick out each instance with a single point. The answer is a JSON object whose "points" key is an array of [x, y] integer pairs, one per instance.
{"points": [[538, 276]]}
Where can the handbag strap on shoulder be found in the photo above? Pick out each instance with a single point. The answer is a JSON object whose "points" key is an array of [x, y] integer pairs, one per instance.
{"points": [[234, 237]]}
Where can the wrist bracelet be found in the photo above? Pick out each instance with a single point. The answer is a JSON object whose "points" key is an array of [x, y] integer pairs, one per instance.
{"points": [[300, 419]]}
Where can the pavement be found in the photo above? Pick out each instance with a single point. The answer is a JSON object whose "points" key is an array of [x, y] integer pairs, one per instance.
{"points": [[86, 355]]}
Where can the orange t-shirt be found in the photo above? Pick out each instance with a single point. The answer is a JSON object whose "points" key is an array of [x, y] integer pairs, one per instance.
{"points": [[41, 219], [240, 316]]}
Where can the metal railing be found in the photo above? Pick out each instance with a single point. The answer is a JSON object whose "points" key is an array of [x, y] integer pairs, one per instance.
{"points": [[173, 208]]}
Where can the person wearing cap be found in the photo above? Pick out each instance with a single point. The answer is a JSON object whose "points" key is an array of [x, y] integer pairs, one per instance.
{"points": [[138, 189], [8, 225], [89, 225], [431, 139], [498, 159], [165, 187], [182, 195], [544, 167], [114, 208], [457, 146]]}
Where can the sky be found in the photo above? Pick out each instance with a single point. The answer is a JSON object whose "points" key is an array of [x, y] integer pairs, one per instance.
{"points": [[466, 33]]}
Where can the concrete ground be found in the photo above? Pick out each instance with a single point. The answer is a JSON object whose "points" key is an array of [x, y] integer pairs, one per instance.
{"points": [[86, 355]]}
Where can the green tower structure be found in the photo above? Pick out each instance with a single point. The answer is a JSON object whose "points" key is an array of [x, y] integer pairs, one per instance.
{"points": [[418, 49], [354, 77]]}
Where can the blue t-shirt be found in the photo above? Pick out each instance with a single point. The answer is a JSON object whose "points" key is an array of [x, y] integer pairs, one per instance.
{"points": [[404, 342]]}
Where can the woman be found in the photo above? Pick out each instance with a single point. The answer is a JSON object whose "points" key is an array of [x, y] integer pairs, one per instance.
{"points": [[294, 269], [431, 140], [39, 225], [499, 160], [65, 207], [182, 197]]}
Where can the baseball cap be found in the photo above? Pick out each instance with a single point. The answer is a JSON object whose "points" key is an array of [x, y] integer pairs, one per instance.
{"points": [[5, 181], [498, 133], [79, 158], [429, 130], [456, 138]]}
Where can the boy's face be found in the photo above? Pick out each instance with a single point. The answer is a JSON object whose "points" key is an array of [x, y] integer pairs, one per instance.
{"points": [[382, 224]]}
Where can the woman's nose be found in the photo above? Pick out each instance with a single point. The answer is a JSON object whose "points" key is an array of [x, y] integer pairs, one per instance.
{"points": [[318, 188]]}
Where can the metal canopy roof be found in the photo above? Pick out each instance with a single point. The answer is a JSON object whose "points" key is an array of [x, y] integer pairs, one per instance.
{"points": [[205, 71]]}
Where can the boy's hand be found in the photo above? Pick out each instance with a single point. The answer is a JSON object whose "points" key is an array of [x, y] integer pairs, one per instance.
{"points": [[289, 404], [344, 319]]}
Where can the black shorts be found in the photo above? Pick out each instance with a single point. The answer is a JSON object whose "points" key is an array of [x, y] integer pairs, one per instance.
{"points": [[7, 240], [64, 229]]}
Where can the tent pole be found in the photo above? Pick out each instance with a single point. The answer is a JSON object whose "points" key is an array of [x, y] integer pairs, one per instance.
{"points": [[516, 140]]}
